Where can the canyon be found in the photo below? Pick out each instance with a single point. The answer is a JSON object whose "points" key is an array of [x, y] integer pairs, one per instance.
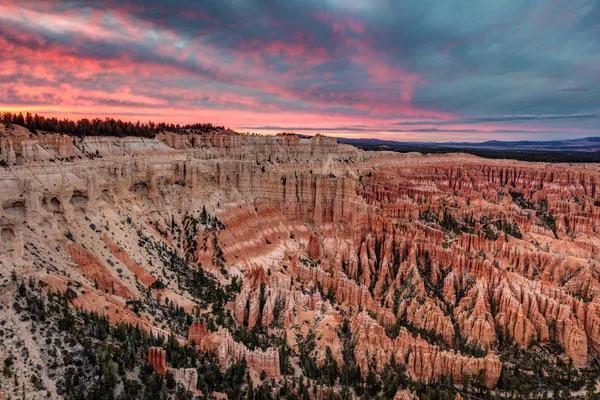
{"points": [[435, 263]]}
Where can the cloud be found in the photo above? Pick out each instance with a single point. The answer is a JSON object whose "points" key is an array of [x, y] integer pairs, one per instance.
{"points": [[388, 129], [503, 118], [256, 63], [573, 89]]}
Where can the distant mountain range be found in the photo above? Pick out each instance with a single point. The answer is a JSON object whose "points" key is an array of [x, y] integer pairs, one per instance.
{"points": [[589, 144]]}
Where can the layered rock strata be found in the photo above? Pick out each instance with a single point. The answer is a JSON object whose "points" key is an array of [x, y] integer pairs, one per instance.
{"points": [[426, 256]]}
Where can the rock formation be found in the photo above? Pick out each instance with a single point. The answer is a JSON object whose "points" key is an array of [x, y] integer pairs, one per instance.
{"points": [[157, 358], [437, 261], [423, 360], [187, 377], [221, 343]]}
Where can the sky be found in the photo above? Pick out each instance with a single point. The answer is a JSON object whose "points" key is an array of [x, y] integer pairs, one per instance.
{"points": [[446, 70]]}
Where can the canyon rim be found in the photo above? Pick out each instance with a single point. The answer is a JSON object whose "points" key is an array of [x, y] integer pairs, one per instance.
{"points": [[220, 263]]}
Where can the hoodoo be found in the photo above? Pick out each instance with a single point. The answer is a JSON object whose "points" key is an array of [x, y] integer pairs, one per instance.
{"points": [[285, 256]]}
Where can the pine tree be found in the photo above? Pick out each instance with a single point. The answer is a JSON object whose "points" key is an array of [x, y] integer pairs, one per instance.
{"points": [[590, 385], [203, 216], [250, 391]]}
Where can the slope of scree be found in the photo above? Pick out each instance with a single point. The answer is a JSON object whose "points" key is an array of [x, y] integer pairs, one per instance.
{"points": [[292, 266]]}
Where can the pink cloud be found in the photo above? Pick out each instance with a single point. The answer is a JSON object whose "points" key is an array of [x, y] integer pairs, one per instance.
{"points": [[341, 24], [177, 81]]}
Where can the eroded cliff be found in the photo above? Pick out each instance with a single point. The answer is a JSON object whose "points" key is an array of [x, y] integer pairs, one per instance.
{"points": [[271, 245]]}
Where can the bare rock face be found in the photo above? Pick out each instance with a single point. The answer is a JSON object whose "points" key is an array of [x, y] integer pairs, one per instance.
{"points": [[121, 254], [93, 268], [22, 146], [157, 358], [187, 377], [221, 343], [314, 247], [423, 360], [437, 261], [474, 317]]}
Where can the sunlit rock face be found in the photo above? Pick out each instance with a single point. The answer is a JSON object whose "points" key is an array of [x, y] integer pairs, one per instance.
{"points": [[435, 262]]}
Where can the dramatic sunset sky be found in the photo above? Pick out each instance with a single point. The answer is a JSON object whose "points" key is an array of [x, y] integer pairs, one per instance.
{"points": [[406, 70]]}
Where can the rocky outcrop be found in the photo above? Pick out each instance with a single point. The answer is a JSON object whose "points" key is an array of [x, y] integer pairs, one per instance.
{"points": [[475, 318], [423, 360], [281, 300], [21, 146], [227, 350], [121, 254], [157, 358], [422, 253], [187, 377], [96, 272], [529, 316], [278, 148]]}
